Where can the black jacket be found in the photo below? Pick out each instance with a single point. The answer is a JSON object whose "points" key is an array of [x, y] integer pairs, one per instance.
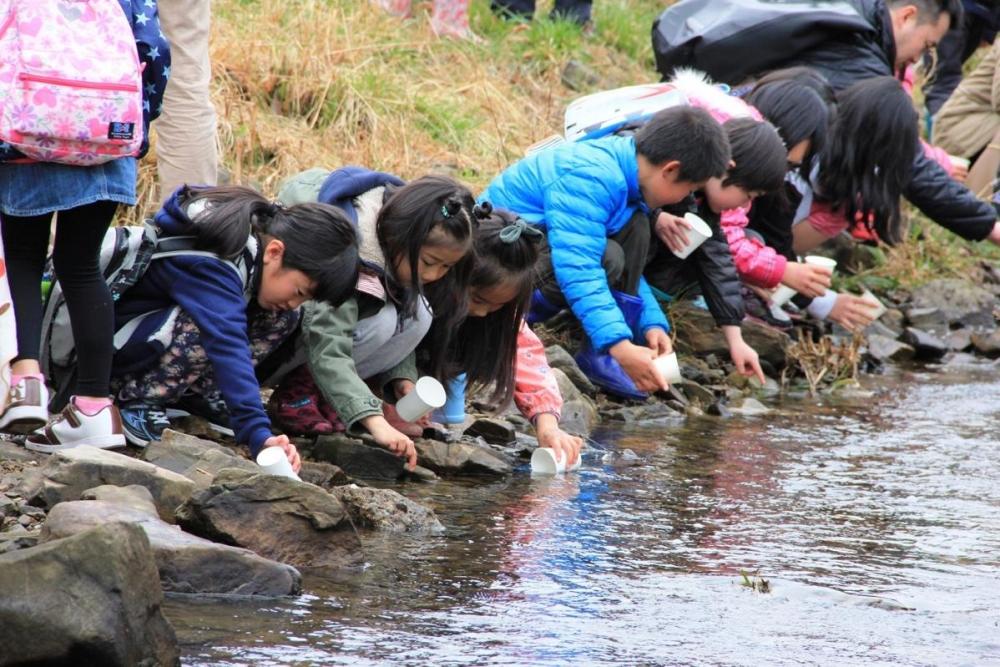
{"points": [[710, 266]]}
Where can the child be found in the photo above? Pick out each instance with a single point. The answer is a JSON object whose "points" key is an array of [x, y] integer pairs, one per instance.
{"points": [[411, 236], [583, 195], [86, 199], [198, 325], [450, 18], [494, 347]]}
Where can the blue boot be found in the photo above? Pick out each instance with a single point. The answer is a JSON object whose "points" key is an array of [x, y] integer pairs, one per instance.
{"points": [[601, 368], [541, 309]]}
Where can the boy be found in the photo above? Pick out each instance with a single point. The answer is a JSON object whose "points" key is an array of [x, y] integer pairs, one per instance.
{"points": [[585, 196]]}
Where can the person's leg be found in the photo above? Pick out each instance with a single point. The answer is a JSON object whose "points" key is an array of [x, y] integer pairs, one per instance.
{"points": [[948, 69], [186, 149], [627, 252], [389, 344], [518, 9], [577, 11]]}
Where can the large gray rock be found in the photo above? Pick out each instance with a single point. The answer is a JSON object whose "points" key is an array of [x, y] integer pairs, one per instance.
{"points": [[460, 457], [698, 334], [197, 459], [987, 345], [884, 349], [384, 509], [563, 360], [959, 340], [927, 319], [133, 497], [324, 475], [187, 564], [91, 599], [67, 474], [277, 517], [357, 458], [926, 347], [493, 431], [960, 301], [10, 451], [579, 413]]}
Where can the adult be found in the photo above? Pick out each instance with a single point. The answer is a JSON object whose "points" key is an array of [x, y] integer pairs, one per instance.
{"points": [[883, 38], [980, 26], [186, 150]]}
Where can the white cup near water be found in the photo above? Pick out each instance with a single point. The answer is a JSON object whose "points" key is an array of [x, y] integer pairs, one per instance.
{"points": [[545, 462], [879, 308], [698, 234], [273, 461], [668, 367], [428, 395]]}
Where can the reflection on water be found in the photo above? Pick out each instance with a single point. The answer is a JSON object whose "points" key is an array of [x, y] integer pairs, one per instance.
{"points": [[876, 520]]}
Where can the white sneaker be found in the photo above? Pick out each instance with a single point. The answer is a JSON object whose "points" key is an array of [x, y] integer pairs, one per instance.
{"points": [[72, 428], [27, 406]]}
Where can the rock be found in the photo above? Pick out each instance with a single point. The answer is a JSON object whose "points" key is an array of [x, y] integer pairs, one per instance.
{"points": [[90, 599], [67, 474], [422, 474], [697, 333], [748, 407], [960, 301], [324, 475], [187, 564], [134, 497], [883, 349], [694, 392], [579, 414], [648, 411], [20, 540], [894, 320], [384, 509], [959, 340], [718, 409], [461, 457], [879, 328], [197, 459], [493, 431], [577, 76], [927, 347], [358, 459], [559, 358], [276, 517], [13, 452], [987, 345], [8, 507], [927, 319]]}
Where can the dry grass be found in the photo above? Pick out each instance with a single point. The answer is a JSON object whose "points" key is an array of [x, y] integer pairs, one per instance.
{"points": [[824, 362]]}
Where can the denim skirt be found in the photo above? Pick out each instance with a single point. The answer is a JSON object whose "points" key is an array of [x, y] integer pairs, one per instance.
{"points": [[36, 188]]}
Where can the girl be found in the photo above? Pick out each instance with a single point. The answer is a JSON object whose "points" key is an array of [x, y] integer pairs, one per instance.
{"points": [[86, 199], [450, 18], [494, 346], [199, 322], [410, 236]]}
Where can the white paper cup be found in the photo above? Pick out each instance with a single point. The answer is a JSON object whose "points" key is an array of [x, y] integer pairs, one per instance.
{"points": [[819, 260], [781, 295], [428, 395], [544, 462], [668, 367], [880, 308], [959, 162], [273, 461], [698, 234]]}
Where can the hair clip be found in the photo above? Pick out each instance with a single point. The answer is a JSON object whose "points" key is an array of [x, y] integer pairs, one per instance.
{"points": [[445, 212]]}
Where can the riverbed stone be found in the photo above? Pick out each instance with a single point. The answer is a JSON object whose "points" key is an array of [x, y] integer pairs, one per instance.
{"points": [[697, 333], [386, 510], [559, 358], [186, 563], [696, 393], [10, 451], [926, 346], [493, 431], [324, 475], [67, 474], [884, 349], [579, 413], [133, 497], [357, 458], [987, 344], [960, 301], [959, 340], [460, 457], [90, 599], [748, 407], [276, 517]]}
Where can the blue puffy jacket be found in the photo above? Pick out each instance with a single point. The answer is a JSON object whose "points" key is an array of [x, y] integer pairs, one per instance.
{"points": [[581, 193]]}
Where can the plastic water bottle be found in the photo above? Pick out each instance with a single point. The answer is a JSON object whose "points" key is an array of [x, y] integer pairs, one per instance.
{"points": [[453, 411]]}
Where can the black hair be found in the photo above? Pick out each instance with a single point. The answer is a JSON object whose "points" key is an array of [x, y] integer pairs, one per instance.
{"points": [[688, 135], [759, 154], [486, 347], [319, 240], [430, 210], [869, 157], [930, 11], [800, 103]]}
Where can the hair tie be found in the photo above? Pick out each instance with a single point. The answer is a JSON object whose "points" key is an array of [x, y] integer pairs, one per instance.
{"points": [[512, 232], [445, 213]]}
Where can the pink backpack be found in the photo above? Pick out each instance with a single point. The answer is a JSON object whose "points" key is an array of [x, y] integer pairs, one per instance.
{"points": [[70, 81]]}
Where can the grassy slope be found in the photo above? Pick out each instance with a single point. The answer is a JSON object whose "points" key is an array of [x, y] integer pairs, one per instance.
{"points": [[304, 83]]}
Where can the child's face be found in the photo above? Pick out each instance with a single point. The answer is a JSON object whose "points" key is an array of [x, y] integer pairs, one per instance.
{"points": [[433, 262], [486, 300], [281, 288], [661, 185], [724, 197]]}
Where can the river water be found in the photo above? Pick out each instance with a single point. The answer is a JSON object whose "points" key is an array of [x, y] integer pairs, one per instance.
{"points": [[874, 518]]}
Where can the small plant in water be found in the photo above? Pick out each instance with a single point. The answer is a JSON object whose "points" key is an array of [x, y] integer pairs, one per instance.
{"points": [[755, 582], [824, 360]]}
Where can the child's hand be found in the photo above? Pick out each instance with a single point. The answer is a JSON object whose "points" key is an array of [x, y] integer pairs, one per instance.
{"points": [[562, 444], [637, 362], [659, 341], [672, 230], [391, 439], [806, 279], [852, 312], [746, 360], [293, 454], [403, 387]]}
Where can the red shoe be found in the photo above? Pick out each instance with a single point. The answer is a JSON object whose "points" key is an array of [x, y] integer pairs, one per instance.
{"points": [[294, 406], [330, 414]]}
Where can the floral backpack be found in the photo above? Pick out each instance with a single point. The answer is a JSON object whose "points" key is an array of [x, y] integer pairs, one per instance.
{"points": [[70, 81]]}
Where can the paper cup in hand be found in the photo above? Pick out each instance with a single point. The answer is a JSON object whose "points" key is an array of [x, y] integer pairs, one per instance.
{"points": [[545, 462], [959, 162], [273, 461], [698, 234], [427, 395], [879, 308], [668, 367], [781, 295], [819, 260]]}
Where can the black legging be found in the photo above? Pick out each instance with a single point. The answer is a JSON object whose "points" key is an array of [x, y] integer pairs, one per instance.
{"points": [[76, 256]]}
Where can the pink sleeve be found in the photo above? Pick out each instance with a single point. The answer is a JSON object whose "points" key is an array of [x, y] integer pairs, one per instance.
{"points": [[939, 155], [757, 263], [535, 387], [825, 220]]}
